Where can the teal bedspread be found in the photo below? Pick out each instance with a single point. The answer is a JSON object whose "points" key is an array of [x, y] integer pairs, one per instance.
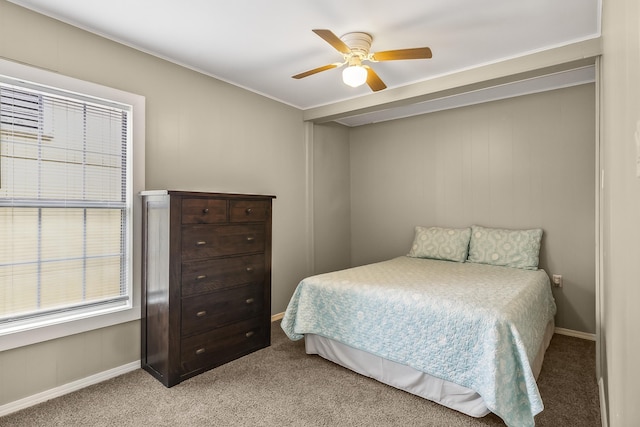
{"points": [[472, 324]]}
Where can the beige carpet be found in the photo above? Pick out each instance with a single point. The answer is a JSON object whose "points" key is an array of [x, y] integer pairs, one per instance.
{"points": [[282, 386]]}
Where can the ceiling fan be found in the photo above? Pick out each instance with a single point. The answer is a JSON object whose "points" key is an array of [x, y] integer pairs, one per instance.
{"points": [[355, 49]]}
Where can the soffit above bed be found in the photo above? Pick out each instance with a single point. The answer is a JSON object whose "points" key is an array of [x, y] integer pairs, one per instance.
{"points": [[558, 80]]}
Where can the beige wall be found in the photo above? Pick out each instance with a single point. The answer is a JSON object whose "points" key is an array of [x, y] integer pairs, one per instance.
{"points": [[37, 368], [201, 134], [518, 163], [621, 210], [331, 198]]}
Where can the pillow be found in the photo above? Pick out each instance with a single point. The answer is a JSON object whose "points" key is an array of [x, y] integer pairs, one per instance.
{"points": [[508, 248], [450, 244]]}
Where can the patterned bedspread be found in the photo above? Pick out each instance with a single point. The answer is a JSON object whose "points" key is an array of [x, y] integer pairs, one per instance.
{"points": [[472, 324]]}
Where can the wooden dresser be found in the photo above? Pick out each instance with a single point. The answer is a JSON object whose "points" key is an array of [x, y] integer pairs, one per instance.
{"points": [[206, 285]]}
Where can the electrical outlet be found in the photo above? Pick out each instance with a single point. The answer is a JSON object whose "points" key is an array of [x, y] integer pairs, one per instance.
{"points": [[557, 280]]}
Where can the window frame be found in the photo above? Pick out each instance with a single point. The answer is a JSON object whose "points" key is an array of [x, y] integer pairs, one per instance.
{"points": [[43, 329]]}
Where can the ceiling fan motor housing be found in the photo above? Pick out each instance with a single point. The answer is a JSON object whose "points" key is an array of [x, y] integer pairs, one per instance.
{"points": [[359, 43]]}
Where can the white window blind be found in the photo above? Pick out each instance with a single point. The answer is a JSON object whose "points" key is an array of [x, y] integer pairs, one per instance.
{"points": [[64, 203]]}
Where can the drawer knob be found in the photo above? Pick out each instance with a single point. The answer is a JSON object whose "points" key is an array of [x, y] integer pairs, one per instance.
{"points": [[249, 211], [250, 239], [250, 301], [249, 334], [201, 243], [201, 313], [205, 210], [202, 276], [249, 269], [200, 351]]}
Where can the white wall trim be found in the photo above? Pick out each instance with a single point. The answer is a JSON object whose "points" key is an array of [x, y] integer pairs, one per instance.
{"points": [[41, 397], [67, 388], [603, 403], [576, 334], [599, 200], [129, 367], [537, 84], [309, 153]]}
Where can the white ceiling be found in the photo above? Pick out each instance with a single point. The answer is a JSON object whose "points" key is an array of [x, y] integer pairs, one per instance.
{"points": [[260, 44]]}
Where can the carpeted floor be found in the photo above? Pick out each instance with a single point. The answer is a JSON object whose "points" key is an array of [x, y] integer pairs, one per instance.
{"points": [[282, 386]]}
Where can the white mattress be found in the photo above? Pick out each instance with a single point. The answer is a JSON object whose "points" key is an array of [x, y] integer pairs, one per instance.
{"points": [[405, 378]]}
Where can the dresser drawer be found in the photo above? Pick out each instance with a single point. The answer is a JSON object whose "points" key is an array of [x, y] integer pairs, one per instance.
{"points": [[204, 211], [203, 312], [249, 210], [215, 274], [207, 241], [223, 344]]}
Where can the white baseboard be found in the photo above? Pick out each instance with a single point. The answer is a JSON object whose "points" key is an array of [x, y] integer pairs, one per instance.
{"points": [[561, 331], [576, 334], [77, 385], [112, 373], [604, 419], [67, 388]]}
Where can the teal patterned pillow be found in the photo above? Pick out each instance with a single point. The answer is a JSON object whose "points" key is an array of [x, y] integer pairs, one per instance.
{"points": [[508, 248], [451, 244]]}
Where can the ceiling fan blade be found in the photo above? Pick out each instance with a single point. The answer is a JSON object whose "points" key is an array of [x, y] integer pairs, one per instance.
{"points": [[374, 82], [333, 40], [392, 55], [317, 70]]}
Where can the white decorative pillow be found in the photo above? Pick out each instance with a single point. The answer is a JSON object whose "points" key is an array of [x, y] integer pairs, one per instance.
{"points": [[508, 248], [451, 244]]}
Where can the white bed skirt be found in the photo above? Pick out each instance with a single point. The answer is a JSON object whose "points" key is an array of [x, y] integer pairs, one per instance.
{"points": [[405, 378]]}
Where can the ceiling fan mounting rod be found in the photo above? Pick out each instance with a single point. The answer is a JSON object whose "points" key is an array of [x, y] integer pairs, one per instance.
{"points": [[354, 60]]}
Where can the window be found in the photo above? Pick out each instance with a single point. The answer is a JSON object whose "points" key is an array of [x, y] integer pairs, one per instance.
{"points": [[67, 200]]}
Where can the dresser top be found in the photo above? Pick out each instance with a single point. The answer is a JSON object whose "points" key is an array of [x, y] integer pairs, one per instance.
{"points": [[204, 194]]}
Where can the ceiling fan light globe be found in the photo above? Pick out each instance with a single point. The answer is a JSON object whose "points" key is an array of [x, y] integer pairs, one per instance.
{"points": [[354, 75]]}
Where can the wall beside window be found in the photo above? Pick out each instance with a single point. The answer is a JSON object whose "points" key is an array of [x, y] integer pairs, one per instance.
{"points": [[201, 134]]}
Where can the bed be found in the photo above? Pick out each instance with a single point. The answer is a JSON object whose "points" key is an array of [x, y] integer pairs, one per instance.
{"points": [[462, 320]]}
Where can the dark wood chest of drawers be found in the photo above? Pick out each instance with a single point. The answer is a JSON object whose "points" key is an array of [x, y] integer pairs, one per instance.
{"points": [[206, 286]]}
